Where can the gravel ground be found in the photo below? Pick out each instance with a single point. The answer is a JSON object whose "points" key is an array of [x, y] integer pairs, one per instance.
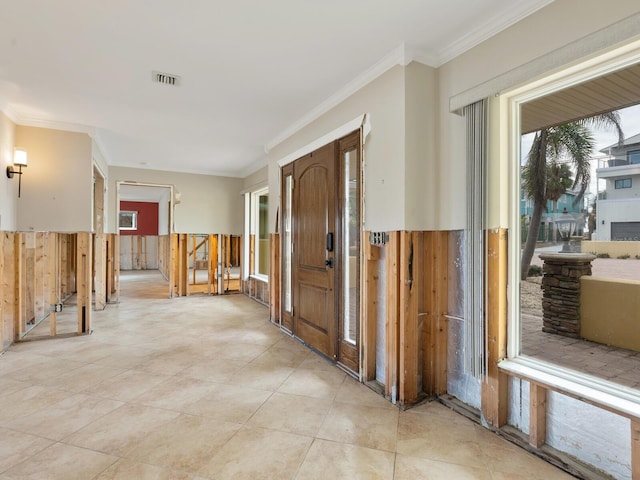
{"points": [[531, 295]]}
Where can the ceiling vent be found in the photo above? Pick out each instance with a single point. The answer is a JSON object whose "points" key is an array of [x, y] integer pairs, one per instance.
{"points": [[166, 79]]}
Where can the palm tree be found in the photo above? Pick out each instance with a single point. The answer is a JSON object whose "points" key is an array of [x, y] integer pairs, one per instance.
{"points": [[559, 180], [571, 141]]}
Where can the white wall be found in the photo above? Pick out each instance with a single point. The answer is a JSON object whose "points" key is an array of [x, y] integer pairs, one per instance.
{"points": [[8, 187], [384, 153], [57, 186], [422, 190], [590, 434], [610, 211], [208, 203], [256, 180], [618, 193], [541, 33]]}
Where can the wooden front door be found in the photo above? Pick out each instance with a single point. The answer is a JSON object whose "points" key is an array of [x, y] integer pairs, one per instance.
{"points": [[314, 250]]}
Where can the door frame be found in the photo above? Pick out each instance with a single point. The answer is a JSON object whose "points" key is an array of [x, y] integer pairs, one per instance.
{"points": [[362, 126]]}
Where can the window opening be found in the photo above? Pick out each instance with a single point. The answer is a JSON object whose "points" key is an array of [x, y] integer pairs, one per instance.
{"points": [[565, 203], [128, 220]]}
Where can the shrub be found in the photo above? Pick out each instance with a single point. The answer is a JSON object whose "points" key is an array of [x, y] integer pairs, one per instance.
{"points": [[534, 271], [603, 255], [625, 256]]}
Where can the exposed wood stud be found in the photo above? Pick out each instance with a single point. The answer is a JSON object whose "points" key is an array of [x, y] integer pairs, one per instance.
{"points": [[3, 291], [212, 264], [100, 265], [116, 268], [20, 265], [52, 280], [494, 387], [173, 265], [537, 415], [84, 281], [392, 315], [274, 277], [8, 288], [369, 308], [435, 307], [408, 321], [252, 251], [38, 280]]}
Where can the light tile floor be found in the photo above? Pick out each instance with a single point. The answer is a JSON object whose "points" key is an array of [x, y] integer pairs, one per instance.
{"points": [[205, 388]]}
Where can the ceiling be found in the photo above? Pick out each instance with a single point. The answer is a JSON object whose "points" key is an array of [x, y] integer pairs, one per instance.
{"points": [[250, 70], [613, 91]]}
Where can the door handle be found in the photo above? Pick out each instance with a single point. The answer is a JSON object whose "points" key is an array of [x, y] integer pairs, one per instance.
{"points": [[329, 242], [329, 262]]}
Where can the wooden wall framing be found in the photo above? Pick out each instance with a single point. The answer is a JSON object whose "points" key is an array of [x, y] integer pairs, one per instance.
{"points": [[178, 257], [494, 387], [274, 277], [416, 309], [39, 271]]}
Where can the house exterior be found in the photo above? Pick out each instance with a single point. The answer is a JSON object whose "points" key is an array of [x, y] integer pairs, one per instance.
{"points": [[418, 336], [566, 202], [618, 206]]}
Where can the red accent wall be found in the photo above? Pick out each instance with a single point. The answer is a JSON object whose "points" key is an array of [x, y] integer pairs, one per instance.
{"points": [[147, 217]]}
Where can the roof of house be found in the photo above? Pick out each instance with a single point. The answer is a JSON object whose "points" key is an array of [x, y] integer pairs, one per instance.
{"points": [[635, 139]]}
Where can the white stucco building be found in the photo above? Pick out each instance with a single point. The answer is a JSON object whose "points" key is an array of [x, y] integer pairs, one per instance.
{"points": [[618, 207]]}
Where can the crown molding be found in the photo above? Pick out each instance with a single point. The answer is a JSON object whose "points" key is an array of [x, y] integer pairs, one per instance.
{"points": [[50, 124], [177, 169], [507, 17], [9, 112]]}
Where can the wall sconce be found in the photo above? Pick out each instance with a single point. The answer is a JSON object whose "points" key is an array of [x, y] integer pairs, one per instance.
{"points": [[20, 161]]}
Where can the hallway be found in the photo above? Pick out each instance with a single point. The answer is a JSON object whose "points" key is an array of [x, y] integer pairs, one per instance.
{"points": [[205, 387]]}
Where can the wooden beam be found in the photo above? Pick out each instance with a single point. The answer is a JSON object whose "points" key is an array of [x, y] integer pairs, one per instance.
{"points": [[408, 322], [84, 281], [215, 268], [100, 267], [41, 300], [19, 305], [28, 284], [63, 254], [442, 308], [172, 267], [274, 277], [369, 308], [537, 415], [109, 285], [183, 265], [8, 279], [51, 281], [252, 251], [116, 268], [494, 387], [435, 307], [3, 290], [194, 254], [392, 315]]}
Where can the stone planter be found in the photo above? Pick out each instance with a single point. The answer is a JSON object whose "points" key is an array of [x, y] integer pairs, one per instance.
{"points": [[561, 291]]}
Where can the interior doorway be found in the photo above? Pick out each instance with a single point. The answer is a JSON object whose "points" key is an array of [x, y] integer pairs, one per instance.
{"points": [[144, 218], [321, 225]]}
